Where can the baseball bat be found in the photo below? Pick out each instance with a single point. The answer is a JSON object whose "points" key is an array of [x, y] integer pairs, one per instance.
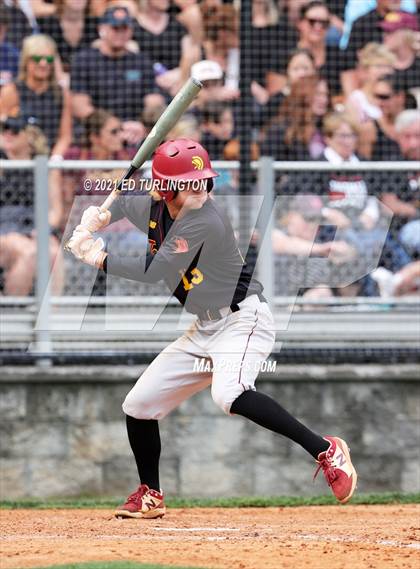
{"points": [[164, 124]]}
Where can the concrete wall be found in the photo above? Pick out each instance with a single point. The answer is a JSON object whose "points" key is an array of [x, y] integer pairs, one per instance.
{"points": [[62, 432]]}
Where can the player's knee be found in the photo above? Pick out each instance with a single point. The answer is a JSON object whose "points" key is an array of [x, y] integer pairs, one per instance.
{"points": [[222, 399], [139, 408]]}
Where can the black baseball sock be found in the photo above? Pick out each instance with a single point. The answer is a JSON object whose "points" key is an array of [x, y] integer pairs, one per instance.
{"points": [[269, 414], [144, 440]]}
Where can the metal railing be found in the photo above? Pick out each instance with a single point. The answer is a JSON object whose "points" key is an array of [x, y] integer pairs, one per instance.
{"points": [[266, 168]]}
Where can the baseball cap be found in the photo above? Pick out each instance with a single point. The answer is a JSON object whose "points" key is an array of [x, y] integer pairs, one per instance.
{"points": [[117, 16], [206, 70], [395, 21]]}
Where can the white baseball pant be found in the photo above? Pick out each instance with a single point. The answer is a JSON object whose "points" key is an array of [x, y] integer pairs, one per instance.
{"points": [[234, 349]]}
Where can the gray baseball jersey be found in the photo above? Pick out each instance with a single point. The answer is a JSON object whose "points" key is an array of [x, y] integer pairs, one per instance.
{"points": [[198, 257]]}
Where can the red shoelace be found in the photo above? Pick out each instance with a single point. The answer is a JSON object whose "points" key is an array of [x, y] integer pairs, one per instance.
{"points": [[138, 494], [328, 468]]}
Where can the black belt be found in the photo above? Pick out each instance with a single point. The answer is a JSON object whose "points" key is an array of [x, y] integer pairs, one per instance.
{"points": [[215, 314]]}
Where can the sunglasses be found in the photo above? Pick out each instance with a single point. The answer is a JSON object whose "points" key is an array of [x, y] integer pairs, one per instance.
{"points": [[325, 24], [12, 129], [38, 58], [382, 96]]}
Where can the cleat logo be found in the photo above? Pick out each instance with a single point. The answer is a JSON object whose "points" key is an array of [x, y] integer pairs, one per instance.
{"points": [[341, 460], [197, 162], [152, 504]]}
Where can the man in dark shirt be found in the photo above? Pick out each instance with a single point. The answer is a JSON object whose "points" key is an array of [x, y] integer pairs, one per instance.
{"points": [[110, 76], [368, 28], [192, 247]]}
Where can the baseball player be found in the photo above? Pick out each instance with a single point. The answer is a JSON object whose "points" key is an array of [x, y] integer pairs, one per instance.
{"points": [[192, 248]]}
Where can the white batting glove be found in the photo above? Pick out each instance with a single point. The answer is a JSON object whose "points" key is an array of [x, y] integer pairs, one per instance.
{"points": [[87, 249], [94, 219], [79, 235]]}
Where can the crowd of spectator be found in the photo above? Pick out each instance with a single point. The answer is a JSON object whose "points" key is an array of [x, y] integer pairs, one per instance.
{"points": [[333, 80]]}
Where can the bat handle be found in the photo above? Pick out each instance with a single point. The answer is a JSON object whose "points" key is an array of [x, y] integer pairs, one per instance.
{"points": [[109, 200], [114, 194]]}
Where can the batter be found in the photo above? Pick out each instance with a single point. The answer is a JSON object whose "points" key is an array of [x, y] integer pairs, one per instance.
{"points": [[192, 247]]}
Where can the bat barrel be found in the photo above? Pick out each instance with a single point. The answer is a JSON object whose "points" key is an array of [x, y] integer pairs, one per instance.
{"points": [[167, 120]]}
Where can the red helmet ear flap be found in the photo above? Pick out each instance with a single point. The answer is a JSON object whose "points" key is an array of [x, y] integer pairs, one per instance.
{"points": [[162, 190]]}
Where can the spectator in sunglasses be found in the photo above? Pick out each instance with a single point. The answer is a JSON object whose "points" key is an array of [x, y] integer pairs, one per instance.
{"points": [[313, 25], [385, 146], [37, 93], [375, 61], [22, 141]]}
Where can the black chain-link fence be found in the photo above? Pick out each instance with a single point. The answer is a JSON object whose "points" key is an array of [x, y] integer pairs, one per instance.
{"points": [[334, 81]]}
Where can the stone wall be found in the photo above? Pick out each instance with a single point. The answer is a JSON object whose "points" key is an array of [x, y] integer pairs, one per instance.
{"points": [[62, 433]]}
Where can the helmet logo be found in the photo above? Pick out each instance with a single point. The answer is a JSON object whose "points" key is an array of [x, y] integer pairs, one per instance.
{"points": [[197, 162]]}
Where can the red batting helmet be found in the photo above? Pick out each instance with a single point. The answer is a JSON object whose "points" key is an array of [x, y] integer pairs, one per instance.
{"points": [[182, 159]]}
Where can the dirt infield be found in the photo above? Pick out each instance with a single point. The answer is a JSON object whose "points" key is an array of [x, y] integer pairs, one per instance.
{"points": [[356, 537]]}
